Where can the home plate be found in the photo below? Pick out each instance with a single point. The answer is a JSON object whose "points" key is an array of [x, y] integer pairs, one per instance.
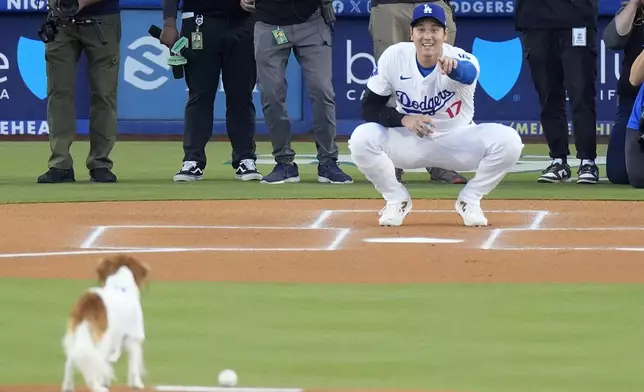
{"points": [[412, 240]]}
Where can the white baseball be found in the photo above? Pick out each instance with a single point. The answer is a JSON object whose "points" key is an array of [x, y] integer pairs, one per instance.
{"points": [[227, 378]]}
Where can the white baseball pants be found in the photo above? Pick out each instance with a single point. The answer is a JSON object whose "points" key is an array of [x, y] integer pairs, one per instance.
{"points": [[488, 149]]}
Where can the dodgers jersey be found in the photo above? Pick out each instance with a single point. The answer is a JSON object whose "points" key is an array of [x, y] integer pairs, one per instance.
{"points": [[448, 102]]}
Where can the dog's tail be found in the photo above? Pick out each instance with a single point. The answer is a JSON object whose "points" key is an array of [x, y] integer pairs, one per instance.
{"points": [[88, 323]]}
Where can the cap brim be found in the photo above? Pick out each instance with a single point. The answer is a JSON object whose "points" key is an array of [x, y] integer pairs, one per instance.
{"points": [[415, 22]]}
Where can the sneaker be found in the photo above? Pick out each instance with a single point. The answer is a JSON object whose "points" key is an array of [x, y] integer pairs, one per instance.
{"points": [[330, 173], [588, 172], [471, 213], [55, 176], [102, 174], [445, 176], [282, 173], [394, 213], [556, 172], [190, 171], [247, 171]]}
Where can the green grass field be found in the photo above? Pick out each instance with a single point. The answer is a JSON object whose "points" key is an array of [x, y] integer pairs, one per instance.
{"points": [[459, 337]]}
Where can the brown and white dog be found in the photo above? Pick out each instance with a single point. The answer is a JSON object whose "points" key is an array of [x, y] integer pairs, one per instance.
{"points": [[105, 320]]}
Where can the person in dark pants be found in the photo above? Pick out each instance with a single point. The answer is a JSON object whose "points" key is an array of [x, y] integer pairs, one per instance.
{"points": [[625, 32], [634, 143], [283, 26], [389, 25], [221, 36], [559, 42], [103, 59]]}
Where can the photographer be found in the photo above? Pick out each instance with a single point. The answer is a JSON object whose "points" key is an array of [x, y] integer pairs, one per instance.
{"points": [[92, 27], [220, 33], [303, 26], [635, 128], [625, 32]]}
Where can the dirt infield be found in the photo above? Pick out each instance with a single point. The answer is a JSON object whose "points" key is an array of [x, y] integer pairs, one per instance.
{"points": [[326, 241], [329, 241]]}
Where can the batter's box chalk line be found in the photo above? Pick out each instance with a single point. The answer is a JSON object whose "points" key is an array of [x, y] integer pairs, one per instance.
{"points": [[90, 242], [492, 239]]}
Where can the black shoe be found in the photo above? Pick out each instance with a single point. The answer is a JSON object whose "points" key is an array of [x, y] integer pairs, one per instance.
{"points": [[190, 171], [588, 173], [101, 174], [247, 171], [556, 172], [54, 176]]}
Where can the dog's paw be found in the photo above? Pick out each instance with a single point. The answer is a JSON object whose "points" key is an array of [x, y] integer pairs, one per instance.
{"points": [[136, 383]]}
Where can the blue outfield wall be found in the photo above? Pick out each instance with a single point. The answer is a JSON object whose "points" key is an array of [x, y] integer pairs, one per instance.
{"points": [[152, 102]]}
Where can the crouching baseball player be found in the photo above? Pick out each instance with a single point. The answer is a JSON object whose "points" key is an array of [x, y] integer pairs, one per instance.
{"points": [[431, 125]]}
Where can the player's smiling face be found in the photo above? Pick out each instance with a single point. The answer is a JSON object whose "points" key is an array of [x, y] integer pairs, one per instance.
{"points": [[428, 36]]}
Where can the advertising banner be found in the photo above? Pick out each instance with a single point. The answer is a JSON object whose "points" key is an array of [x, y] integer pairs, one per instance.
{"points": [[152, 101], [23, 78], [505, 92], [147, 89], [343, 8]]}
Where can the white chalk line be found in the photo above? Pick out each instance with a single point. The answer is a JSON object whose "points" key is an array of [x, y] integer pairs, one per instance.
{"points": [[494, 234], [93, 236], [575, 248], [187, 227], [181, 388], [319, 222], [115, 250], [342, 234], [538, 218]]}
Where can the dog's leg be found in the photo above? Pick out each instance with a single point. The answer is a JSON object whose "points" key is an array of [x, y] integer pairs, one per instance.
{"points": [[135, 363], [68, 378]]}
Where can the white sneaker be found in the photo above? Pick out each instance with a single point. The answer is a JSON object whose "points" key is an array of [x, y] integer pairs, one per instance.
{"points": [[394, 213], [471, 213]]}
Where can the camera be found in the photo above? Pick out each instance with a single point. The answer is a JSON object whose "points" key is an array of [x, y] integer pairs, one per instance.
{"points": [[328, 13], [63, 13]]}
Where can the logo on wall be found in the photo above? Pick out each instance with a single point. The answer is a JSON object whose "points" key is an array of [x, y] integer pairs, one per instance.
{"points": [[141, 75], [500, 64], [32, 66], [338, 6]]}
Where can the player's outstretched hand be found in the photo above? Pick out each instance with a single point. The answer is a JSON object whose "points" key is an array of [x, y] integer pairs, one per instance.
{"points": [[420, 124], [447, 64]]}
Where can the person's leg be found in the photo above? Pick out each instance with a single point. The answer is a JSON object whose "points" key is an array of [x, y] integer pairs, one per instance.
{"points": [[580, 75], [239, 75], [635, 157], [312, 48], [102, 70], [489, 149], [202, 79], [616, 152], [388, 25], [62, 56], [541, 53], [377, 151], [272, 58]]}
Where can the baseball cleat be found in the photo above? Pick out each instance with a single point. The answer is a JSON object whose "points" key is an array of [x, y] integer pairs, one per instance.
{"points": [[472, 214], [445, 176], [394, 213]]}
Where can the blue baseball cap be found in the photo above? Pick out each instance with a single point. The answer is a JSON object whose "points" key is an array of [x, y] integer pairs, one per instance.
{"points": [[429, 10]]}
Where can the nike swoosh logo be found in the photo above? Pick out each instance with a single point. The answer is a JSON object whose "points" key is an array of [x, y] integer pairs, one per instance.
{"points": [[404, 78]]}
